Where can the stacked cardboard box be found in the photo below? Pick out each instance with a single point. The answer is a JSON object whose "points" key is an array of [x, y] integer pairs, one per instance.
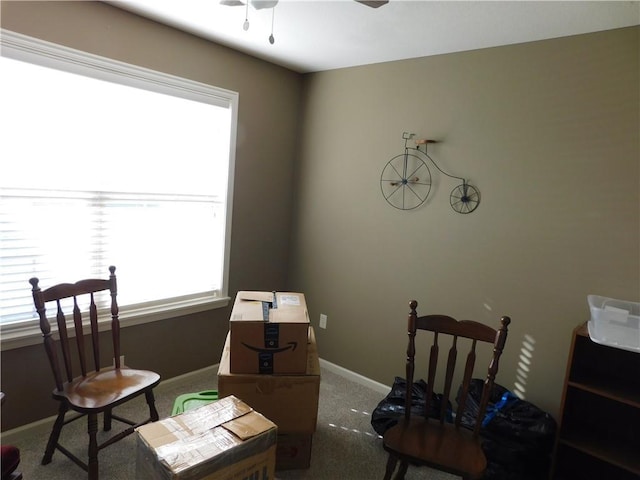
{"points": [[269, 333], [260, 364], [224, 440]]}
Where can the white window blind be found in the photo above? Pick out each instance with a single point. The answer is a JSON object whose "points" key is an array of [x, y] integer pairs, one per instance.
{"points": [[104, 163]]}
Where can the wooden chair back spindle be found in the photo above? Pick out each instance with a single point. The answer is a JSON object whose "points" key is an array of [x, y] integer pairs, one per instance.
{"points": [[466, 381], [77, 324], [61, 321], [451, 364]]}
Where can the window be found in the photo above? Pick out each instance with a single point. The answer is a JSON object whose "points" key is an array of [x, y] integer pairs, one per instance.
{"points": [[105, 163]]}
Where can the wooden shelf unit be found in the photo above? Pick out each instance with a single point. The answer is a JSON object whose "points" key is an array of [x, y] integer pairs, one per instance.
{"points": [[599, 425]]}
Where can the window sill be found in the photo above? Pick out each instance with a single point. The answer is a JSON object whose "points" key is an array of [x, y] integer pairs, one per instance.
{"points": [[12, 337]]}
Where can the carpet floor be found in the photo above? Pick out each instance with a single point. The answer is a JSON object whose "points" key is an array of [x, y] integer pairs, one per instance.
{"points": [[345, 446]]}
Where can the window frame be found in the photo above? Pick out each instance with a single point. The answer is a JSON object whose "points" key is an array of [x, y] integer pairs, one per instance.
{"points": [[47, 54]]}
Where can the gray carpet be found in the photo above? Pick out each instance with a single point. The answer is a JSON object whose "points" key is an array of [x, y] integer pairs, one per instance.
{"points": [[345, 447]]}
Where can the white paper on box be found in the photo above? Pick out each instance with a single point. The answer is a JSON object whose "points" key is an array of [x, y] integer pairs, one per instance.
{"points": [[290, 300]]}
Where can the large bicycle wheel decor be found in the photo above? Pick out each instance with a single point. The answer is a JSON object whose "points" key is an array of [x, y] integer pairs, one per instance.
{"points": [[405, 181]]}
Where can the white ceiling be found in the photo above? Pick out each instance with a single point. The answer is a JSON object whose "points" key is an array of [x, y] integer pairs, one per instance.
{"points": [[317, 35]]}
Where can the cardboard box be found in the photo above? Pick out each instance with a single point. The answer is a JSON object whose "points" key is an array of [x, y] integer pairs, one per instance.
{"points": [[269, 333], [290, 401], [224, 440], [293, 451]]}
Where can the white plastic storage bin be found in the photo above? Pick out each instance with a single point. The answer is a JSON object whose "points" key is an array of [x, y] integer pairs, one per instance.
{"points": [[614, 322]]}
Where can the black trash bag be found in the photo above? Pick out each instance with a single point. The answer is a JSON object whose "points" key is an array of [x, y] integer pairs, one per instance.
{"points": [[517, 437], [509, 417], [392, 407]]}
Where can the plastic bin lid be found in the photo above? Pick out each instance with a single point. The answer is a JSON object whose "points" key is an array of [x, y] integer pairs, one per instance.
{"points": [[189, 401]]}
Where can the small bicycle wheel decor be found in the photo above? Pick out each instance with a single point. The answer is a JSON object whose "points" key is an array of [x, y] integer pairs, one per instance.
{"points": [[406, 181], [464, 198]]}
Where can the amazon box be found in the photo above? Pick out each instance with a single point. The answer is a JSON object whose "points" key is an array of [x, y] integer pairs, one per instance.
{"points": [[223, 440], [290, 401], [269, 333]]}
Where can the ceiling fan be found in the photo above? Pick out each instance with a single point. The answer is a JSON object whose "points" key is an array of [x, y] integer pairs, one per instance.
{"points": [[260, 4]]}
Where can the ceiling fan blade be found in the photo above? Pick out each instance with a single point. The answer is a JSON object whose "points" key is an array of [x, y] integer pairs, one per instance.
{"points": [[373, 3], [257, 4], [260, 4]]}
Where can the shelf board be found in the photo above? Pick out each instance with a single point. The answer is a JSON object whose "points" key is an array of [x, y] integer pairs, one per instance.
{"points": [[624, 458], [609, 390]]}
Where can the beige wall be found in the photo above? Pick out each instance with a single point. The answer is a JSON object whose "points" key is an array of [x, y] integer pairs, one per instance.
{"points": [[548, 131], [268, 122]]}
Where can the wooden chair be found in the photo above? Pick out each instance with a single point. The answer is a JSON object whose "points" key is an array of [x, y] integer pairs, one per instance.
{"points": [[434, 442], [92, 392]]}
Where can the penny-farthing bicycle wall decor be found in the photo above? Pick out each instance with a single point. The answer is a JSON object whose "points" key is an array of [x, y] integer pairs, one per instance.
{"points": [[406, 180]]}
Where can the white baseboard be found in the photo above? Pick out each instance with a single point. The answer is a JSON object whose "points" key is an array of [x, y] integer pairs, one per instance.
{"points": [[15, 435], [210, 368], [355, 377]]}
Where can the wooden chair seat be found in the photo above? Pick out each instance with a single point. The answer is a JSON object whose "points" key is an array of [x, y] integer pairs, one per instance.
{"points": [[439, 445], [106, 388]]}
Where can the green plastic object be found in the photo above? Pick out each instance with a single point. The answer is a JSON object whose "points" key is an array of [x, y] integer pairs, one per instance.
{"points": [[190, 401]]}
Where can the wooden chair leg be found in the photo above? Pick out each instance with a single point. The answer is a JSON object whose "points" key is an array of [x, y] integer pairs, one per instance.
{"points": [[151, 401], [391, 466], [93, 446], [55, 434], [107, 420], [402, 470]]}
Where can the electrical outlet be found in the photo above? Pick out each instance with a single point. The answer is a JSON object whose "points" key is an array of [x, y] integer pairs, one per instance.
{"points": [[323, 320]]}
